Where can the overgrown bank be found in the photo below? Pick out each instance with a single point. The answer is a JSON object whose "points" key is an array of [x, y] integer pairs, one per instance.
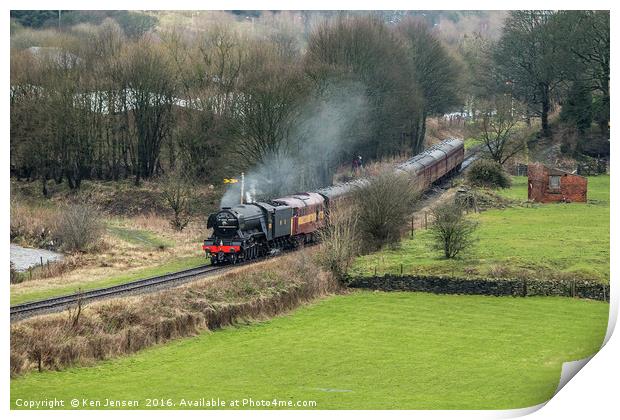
{"points": [[101, 331]]}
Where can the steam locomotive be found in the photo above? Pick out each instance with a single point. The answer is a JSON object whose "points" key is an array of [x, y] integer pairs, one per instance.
{"points": [[251, 230]]}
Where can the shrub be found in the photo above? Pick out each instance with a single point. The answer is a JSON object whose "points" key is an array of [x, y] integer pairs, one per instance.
{"points": [[14, 277], [382, 205], [79, 228], [177, 194], [339, 243], [451, 230], [499, 271], [488, 173]]}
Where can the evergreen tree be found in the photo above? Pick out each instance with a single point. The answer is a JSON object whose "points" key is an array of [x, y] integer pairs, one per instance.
{"points": [[577, 108]]}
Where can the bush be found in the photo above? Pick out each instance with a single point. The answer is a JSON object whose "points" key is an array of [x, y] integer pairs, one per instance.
{"points": [[15, 276], [382, 206], [79, 228], [451, 230], [339, 243], [488, 173]]}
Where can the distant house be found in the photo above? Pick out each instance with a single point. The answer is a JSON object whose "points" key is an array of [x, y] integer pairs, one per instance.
{"points": [[548, 185]]}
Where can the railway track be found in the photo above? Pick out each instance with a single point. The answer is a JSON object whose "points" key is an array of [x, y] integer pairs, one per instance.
{"points": [[56, 304]]}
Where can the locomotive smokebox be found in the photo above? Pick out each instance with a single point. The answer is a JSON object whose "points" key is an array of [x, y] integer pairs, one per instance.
{"points": [[227, 222]]}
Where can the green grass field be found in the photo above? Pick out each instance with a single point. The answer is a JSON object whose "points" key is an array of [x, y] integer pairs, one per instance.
{"points": [[471, 142], [535, 242], [140, 237], [21, 296], [366, 350]]}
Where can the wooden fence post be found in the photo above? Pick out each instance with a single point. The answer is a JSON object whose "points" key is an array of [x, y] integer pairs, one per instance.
{"points": [[425, 220]]}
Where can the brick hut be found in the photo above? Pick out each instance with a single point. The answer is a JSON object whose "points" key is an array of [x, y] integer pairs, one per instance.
{"points": [[548, 185]]}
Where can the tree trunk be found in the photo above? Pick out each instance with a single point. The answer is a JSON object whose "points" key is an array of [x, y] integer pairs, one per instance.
{"points": [[604, 122], [544, 116], [422, 133], [70, 179], [417, 134], [44, 186]]}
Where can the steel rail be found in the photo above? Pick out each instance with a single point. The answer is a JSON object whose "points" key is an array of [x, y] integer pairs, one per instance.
{"points": [[58, 303]]}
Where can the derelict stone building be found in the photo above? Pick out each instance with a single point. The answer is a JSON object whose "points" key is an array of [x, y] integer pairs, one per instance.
{"points": [[548, 185]]}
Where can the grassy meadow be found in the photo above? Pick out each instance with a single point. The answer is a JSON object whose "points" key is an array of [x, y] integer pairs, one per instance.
{"points": [[535, 241], [364, 350]]}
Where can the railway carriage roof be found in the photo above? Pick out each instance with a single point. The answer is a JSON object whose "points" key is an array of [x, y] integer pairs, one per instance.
{"points": [[344, 188], [301, 199], [417, 163], [436, 151]]}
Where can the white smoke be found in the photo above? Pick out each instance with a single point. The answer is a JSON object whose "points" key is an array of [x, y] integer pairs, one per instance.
{"points": [[327, 131]]}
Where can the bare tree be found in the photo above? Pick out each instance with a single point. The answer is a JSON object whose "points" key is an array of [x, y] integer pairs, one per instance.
{"points": [[435, 72], [151, 86], [499, 128], [382, 206], [362, 49], [208, 69], [529, 58], [340, 242], [178, 193], [267, 106], [451, 230]]}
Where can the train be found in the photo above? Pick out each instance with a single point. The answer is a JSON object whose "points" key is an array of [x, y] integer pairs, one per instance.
{"points": [[252, 230]]}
